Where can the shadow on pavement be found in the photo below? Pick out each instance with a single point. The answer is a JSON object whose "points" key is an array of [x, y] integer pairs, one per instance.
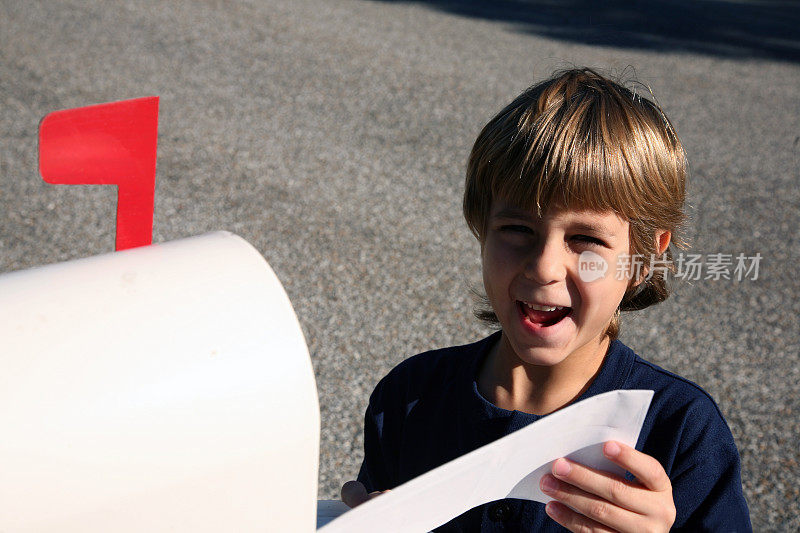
{"points": [[727, 28]]}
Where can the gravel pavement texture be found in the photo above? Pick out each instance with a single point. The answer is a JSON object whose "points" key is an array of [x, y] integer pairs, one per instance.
{"points": [[333, 135]]}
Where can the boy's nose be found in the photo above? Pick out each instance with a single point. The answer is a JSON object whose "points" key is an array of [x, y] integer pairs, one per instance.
{"points": [[546, 264]]}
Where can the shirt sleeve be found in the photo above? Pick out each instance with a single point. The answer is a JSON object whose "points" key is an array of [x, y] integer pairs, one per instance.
{"points": [[374, 472], [706, 478]]}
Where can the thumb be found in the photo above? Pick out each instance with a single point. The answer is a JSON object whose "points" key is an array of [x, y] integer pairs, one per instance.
{"points": [[354, 493]]}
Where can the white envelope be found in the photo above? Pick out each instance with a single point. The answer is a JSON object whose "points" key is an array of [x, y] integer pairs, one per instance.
{"points": [[510, 467]]}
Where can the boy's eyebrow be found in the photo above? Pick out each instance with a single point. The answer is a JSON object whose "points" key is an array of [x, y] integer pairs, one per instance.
{"points": [[510, 212], [598, 228]]}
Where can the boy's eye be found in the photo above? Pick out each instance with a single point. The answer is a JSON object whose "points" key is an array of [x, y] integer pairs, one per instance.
{"points": [[516, 228], [589, 240]]}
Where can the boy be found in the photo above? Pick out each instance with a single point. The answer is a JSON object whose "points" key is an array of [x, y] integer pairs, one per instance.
{"points": [[576, 170]]}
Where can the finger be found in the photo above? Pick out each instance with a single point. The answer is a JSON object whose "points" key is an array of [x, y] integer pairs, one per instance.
{"points": [[354, 493], [589, 505], [573, 521], [604, 485], [647, 469]]}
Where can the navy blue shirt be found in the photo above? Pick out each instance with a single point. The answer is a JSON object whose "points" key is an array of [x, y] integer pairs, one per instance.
{"points": [[428, 411]]}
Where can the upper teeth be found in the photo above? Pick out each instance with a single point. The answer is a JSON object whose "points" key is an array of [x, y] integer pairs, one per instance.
{"points": [[542, 307]]}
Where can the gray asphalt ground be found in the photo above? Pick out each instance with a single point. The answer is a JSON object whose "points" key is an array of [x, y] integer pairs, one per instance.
{"points": [[333, 135]]}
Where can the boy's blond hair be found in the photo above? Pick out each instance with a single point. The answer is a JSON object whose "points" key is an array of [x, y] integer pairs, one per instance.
{"points": [[582, 141]]}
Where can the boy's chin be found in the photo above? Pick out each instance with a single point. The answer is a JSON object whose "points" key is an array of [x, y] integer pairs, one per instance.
{"points": [[550, 350], [544, 356], [535, 354]]}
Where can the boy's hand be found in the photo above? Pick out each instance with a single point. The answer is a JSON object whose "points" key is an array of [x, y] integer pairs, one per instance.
{"points": [[355, 493], [591, 500]]}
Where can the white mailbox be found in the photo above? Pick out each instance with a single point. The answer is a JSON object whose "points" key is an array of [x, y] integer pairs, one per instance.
{"points": [[162, 388]]}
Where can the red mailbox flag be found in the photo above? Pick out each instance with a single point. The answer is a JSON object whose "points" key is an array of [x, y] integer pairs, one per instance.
{"points": [[111, 144]]}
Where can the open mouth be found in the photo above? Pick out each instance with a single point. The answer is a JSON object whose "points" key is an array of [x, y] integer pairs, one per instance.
{"points": [[543, 318]]}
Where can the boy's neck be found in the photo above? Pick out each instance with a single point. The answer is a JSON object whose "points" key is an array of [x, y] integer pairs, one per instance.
{"points": [[512, 384]]}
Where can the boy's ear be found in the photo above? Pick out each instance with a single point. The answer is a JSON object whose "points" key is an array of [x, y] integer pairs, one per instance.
{"points": [[663, 238]]}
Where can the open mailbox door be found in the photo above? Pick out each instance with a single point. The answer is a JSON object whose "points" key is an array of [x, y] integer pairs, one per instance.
{"points": [[162, 388]]}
